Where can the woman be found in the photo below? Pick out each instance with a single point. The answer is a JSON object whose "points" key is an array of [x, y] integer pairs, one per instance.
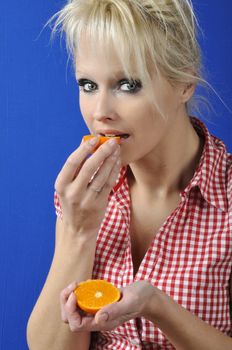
{"points": [[153, 215]]}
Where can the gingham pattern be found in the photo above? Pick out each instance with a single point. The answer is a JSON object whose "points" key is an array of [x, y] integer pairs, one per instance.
{"points": [[190, 258]]}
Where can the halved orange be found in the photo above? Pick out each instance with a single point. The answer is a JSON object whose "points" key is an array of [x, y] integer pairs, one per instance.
{"points": [[92, 295], [102, 139]]}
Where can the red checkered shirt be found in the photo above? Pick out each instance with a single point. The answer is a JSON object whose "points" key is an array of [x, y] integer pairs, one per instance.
{"points": [[190, 258]]}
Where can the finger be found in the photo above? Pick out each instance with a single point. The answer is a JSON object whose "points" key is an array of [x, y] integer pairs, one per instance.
{"points": [[64, 317], [71, 312], [74, 163], [77, 320], [108, 313], [105, 172], [115, 314], [92, 165], [64, 295], [113, 176]]}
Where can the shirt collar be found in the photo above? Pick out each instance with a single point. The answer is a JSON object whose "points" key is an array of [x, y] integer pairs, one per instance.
{"points": [[120, 180], [120, 192], [210, 175]]}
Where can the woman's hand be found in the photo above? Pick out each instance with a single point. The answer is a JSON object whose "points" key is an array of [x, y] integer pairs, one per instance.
{"points": [[84, 184], [183, 329], [131, 305]]}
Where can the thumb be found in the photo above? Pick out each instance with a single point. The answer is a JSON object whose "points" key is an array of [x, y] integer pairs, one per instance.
{"points": [[109, 313], [102, 317]]}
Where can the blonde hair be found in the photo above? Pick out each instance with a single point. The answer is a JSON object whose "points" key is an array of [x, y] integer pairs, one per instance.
{"points": [[162, 33]]}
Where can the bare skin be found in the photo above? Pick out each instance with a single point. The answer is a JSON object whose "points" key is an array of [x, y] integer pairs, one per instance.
{"points": [[141, 299], [75, 233], [162, 163], [161, 167]]}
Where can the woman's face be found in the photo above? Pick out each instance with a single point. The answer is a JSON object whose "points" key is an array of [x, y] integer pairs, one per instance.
{"points": [[113, 105]]}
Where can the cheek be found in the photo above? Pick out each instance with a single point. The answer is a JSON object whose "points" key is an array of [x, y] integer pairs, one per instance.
{"points": [[86, 110], [136, 112], [83, 105], [145, 118]]}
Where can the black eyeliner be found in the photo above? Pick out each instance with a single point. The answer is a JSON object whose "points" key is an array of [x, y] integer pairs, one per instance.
{"points": [[137, 85], [83, 81], [130, 81]]}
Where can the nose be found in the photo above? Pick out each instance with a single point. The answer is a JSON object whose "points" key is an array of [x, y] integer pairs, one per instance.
{"points": [[104, 107]]}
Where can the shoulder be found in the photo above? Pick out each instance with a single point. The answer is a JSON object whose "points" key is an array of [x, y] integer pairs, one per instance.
{"points": [[214, 173], [226, 168]]}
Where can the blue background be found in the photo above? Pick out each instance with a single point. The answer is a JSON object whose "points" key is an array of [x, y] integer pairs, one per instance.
{"points": [[40, 125]]}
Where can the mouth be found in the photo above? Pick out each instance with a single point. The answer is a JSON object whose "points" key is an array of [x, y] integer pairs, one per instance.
{"points": [[122, 136]]}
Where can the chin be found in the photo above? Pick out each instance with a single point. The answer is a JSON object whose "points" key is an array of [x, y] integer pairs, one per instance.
{"points": [[124, 161]]}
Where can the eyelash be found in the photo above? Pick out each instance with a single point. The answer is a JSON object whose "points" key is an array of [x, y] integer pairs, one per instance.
{"points": [[137, 85], [83, 82]]}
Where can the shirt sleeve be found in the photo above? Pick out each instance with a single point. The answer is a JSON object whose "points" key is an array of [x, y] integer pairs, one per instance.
{"points": [[230, 213], [229, 188], [57, 205]]}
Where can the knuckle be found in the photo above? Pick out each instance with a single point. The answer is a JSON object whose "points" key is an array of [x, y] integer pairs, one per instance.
{"points": [[106, 150], [70, 306], [58, 186], [89, 167], [72, 286], [72, 327], [67, 309], [74, 323], [64, 294], [64, 317], [71, 197], [71, 160]]}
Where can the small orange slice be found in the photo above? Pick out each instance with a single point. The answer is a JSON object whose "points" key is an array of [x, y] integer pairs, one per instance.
{"points": [[102, 139], [92, 295]]}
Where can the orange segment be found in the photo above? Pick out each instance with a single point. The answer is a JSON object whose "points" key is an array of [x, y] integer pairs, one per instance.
{"points": [[102, 139], [92, 295]]}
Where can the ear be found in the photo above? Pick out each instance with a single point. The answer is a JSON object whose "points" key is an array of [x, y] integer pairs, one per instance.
{"points": [[187, 92]]}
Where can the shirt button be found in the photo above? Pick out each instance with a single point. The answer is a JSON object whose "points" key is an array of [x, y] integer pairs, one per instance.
{"points": [[134, 342]]}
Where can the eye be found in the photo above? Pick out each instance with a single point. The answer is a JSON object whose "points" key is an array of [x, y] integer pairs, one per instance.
{"points": [[87, 85], [130, 86]]}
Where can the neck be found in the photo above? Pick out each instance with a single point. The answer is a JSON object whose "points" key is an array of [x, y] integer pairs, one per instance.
{"points": [[170, 167]]}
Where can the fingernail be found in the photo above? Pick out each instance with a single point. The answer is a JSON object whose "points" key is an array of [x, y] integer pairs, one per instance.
{"points": [[112, 142], [103, 317], [93, 141], [71, 298], [70, 286]]}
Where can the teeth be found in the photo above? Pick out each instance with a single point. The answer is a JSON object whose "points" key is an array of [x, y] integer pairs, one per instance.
{"points": [[112, 135]]}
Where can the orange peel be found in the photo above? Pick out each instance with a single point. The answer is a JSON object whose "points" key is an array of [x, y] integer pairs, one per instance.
{"points": [[101, 140]]}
